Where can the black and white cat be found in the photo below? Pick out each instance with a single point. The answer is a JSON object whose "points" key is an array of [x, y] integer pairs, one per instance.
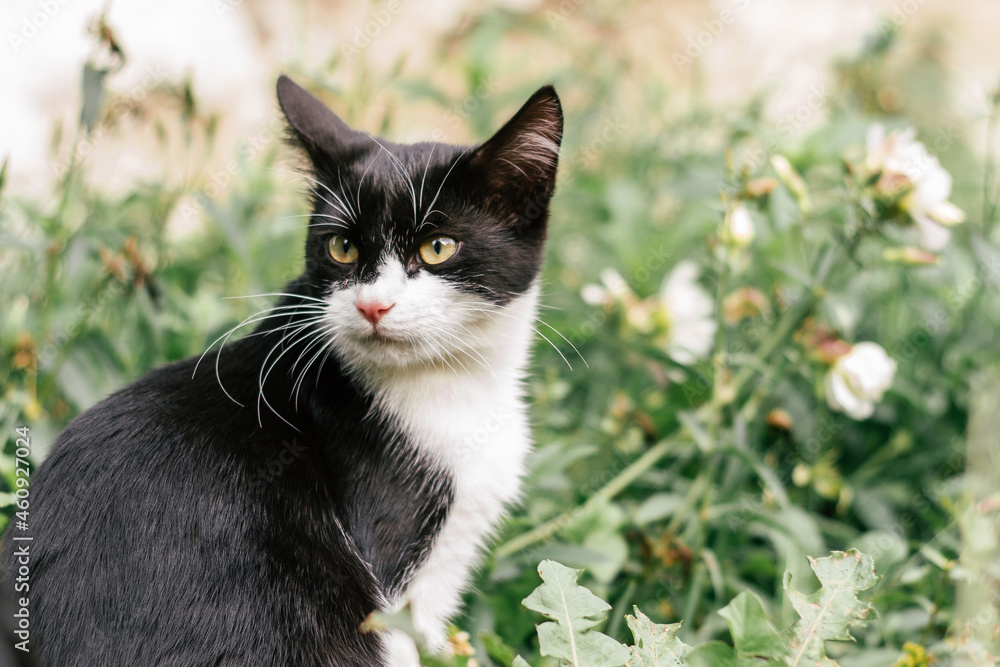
{"points": [[352, 455]]}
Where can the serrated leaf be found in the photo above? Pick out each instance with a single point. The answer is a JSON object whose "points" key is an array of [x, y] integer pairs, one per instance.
{"points": [[754, 636], [574, 611], [833, 609], [656, 645], [563, 600], [519, 662], [580, 649]]}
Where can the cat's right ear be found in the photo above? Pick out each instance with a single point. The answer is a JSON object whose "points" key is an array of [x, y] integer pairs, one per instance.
{"points": [[320, 132], [520, 160]]}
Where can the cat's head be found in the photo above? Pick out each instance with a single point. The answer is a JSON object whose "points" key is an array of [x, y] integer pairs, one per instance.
{"points": [[424, 253]]}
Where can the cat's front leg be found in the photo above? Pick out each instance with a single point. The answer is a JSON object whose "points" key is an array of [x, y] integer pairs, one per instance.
{"points": [[400, 650], [435, 594]]}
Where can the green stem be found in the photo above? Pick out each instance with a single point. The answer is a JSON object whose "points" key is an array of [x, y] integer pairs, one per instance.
{"points": [[791, 319], [609, 491], [694, 592], [684, 511], [989, 203]]}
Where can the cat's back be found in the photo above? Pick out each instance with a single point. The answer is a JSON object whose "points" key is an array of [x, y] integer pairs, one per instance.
{"points": [[161, 535]]}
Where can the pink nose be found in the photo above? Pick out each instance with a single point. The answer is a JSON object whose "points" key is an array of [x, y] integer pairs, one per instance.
{"points": [[373, 311]]}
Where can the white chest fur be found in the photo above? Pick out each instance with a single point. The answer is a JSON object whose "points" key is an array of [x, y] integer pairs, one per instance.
{"points": [[470, 418]]}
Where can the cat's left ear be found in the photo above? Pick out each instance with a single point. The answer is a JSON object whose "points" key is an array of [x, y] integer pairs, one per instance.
{"points": [[520, 160]]}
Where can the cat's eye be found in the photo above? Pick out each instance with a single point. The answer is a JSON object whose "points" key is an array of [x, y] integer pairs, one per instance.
{"points": [[343, 250], [438, 249]]}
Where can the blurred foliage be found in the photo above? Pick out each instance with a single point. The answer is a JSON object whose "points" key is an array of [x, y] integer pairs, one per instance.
{"points": [[678, 486]]}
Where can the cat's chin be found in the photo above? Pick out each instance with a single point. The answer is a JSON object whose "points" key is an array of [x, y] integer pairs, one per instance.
{"points": [[384, 351]]}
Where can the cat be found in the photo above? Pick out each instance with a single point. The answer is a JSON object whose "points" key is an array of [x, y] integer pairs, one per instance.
{"points": [[353, 454]]}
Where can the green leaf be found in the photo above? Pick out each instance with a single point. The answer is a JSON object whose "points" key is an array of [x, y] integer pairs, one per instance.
{"points": [[3, 175], [754, 636], [93, 95], [657, 507], [830, 611], [519, 662], [496, 649], [574, 611], [712, 654], [656, 645]]}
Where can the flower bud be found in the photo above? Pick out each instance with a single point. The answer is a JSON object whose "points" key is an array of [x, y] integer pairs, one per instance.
{"points": [[739, 229], [759, 187], [910, 256], [793, 181]]}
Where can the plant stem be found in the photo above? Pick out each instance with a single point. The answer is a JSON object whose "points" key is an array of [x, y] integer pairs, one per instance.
{"points": [[989, 203], [792, 318], [607, 492]]}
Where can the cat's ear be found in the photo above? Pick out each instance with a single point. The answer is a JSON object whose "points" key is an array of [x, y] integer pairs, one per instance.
{"points": [[320, 132], [520, 160]]}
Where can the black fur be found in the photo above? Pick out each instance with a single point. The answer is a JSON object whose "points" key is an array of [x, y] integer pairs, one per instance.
{"points": [[177, 525]]}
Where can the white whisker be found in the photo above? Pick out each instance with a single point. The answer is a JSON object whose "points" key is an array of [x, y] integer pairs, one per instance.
{"points": [[285, 311], [361, 182], [559, 333], [264, 374], [347, 200], [426, 167], [401, 170], [443, 181], [343, 208], [327, 344]]}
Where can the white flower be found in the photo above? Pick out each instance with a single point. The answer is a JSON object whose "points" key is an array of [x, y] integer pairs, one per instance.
{"points": [[902, 161], [613, 290], [689, 310], [857, 380], [739, 226]]}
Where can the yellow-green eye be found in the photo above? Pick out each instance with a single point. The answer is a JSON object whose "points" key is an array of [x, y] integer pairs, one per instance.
{"points": [[343, 250], [437, 249]]}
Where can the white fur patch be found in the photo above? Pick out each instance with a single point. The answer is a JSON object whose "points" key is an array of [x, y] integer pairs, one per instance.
{"points": [[400, 651], [453, 383]]}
